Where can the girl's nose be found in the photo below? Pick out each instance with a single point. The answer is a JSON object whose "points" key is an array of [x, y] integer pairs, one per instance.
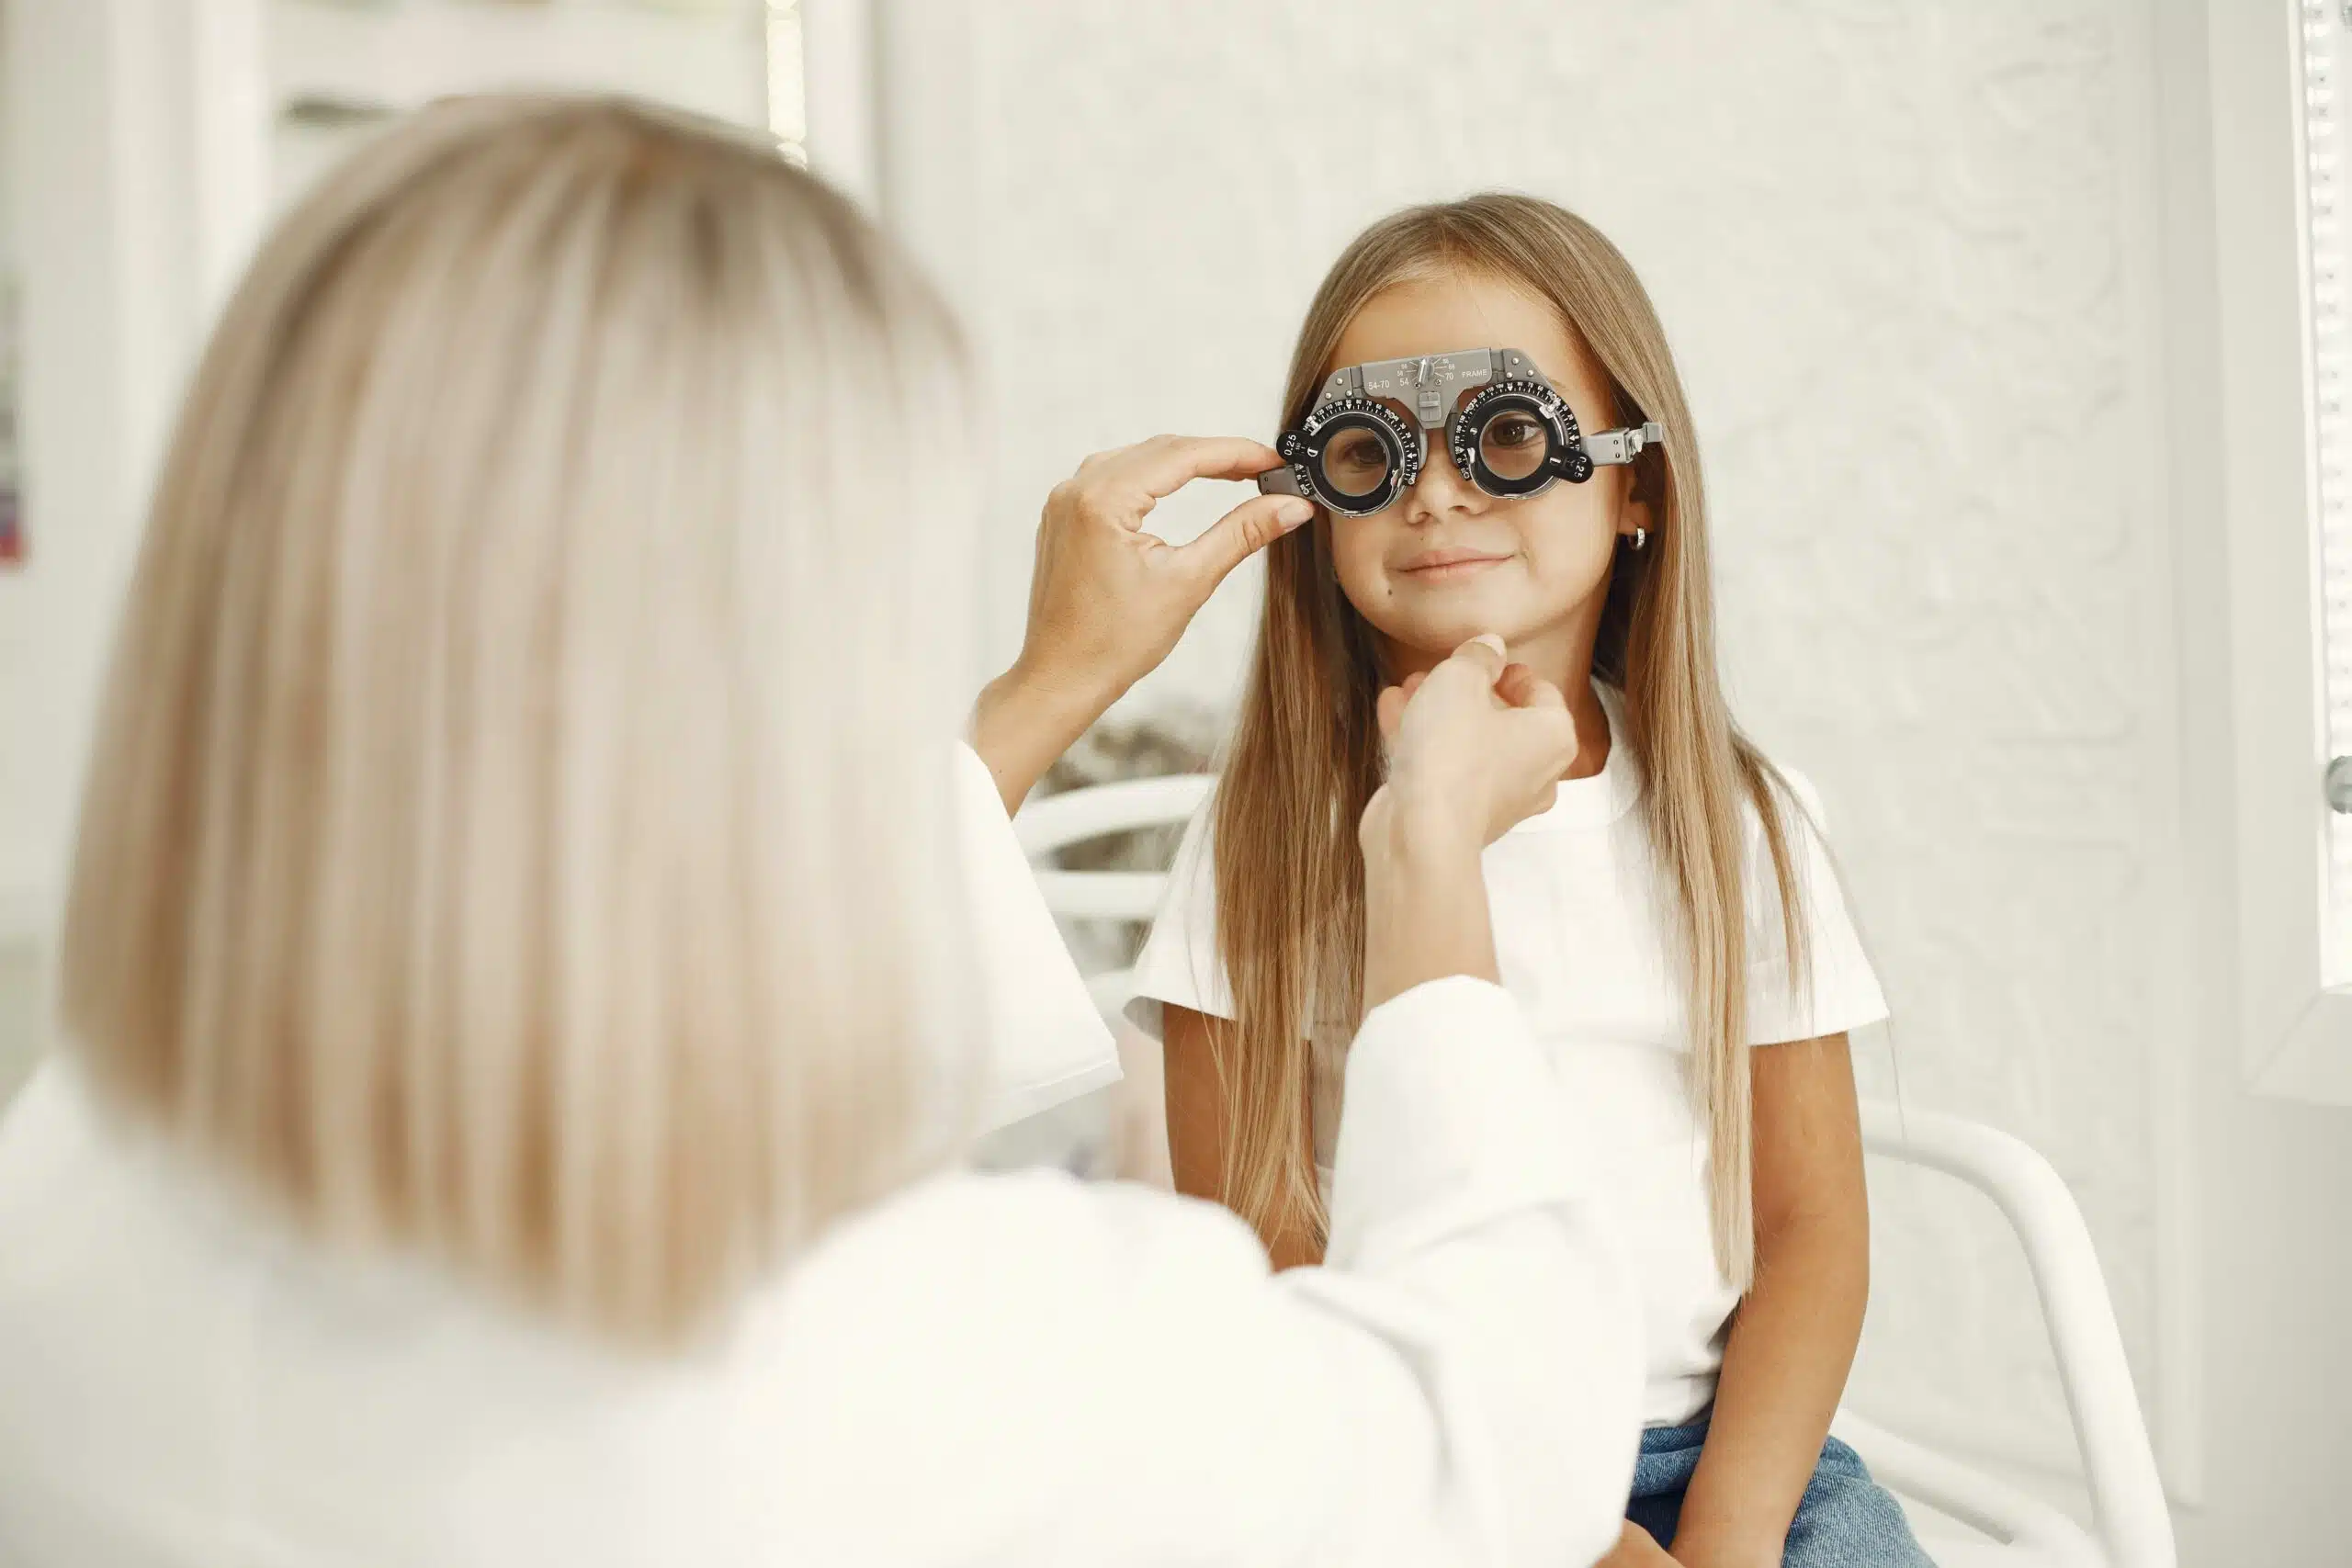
{"points": [[1439, 488]]}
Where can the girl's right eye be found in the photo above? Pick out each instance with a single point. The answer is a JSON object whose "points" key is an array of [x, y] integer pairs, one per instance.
{"points": [[1356, 461], [1513, 445]]}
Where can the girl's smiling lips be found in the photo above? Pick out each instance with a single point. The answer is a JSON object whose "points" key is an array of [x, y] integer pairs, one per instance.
{"points": [[1440, 566]]}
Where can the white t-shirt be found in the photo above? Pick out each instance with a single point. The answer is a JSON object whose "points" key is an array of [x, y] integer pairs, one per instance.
{"points": [[1582, 946]]}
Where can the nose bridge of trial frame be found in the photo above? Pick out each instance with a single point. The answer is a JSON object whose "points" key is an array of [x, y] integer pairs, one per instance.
{"points": [[1429, 384]]}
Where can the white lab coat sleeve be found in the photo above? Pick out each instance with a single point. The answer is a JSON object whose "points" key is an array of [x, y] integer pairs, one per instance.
{"points": [[1046, 1042], [1459, 1384]]}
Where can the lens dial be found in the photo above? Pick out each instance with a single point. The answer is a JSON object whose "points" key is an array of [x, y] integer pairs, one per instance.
{"points": [[1359, 454], [1515, 437]]}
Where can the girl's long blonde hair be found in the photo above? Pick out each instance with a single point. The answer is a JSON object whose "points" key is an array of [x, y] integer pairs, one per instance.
{"points": [[1305, 755], [519, 826]]}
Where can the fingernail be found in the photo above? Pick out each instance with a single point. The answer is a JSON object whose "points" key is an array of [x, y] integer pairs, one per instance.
{"points": [[1294, 512], [1493, 641]]}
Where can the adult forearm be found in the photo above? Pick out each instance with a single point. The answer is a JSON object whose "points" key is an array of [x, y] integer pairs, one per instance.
{"points": [[1425, 905], [1022, 725], [1784, 1369]]}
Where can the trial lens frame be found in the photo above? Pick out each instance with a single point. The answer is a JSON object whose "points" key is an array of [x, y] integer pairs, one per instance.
{"points": [[1498, 380]]}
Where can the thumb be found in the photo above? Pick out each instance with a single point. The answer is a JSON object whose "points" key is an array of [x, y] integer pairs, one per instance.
{"points": [[1486, 652], [1240, 534], [1390, 709], [1523, 688]]}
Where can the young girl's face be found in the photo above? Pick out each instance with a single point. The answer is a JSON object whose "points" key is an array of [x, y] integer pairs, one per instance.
{"points": [[1446, 561]]}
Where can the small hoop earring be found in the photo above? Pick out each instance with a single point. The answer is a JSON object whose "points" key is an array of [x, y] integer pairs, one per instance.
{"points": [[1641, 539]]}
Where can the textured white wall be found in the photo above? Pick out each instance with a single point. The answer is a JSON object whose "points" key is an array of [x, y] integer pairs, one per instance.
{"points": [[1908, 258]]}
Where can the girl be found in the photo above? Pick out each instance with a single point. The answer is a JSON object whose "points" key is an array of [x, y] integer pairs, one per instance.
{"points": [[1673, 909]]}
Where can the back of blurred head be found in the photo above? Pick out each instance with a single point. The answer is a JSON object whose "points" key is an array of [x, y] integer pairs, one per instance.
{"points": [[517, 824]]}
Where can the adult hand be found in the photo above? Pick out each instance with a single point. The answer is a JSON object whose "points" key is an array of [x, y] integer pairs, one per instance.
{"points": [[1108, 601], [1473, 747]]}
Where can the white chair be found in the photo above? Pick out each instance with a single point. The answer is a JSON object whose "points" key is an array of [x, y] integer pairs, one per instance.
{"points": [[1129, 897], [2004, 1525], [2133, 1526]]}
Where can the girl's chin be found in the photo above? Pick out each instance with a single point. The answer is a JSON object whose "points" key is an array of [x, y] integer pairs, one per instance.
{"points": [[1425, 643], [1436, 609]]}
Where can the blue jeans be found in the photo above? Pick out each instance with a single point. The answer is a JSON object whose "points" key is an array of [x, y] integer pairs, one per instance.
{"points": [[1845, 1520]]}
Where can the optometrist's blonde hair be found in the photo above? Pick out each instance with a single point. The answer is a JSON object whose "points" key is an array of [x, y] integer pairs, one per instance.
{"points": [[519, 827]]}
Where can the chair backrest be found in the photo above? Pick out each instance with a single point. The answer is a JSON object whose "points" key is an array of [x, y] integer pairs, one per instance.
{"points": [[2134, 1526], [1076, 816]]}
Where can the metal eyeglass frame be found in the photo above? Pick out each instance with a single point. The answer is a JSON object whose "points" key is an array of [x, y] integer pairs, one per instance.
{"points": [[1431, 385]]}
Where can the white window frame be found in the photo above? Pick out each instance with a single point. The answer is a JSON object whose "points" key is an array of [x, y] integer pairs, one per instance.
{"points": [[141, 137], [2296, 1031]]}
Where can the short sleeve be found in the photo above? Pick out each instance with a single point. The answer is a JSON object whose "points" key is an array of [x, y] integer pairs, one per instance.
{"points": [[1837, 990], [1179, 963]]}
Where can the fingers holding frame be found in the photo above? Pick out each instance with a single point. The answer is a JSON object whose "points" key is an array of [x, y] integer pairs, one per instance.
{"points": [[1166, 464]]}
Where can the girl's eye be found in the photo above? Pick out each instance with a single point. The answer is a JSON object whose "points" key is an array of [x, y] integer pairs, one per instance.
{"points": [[1356, 459], [1512, 446]]}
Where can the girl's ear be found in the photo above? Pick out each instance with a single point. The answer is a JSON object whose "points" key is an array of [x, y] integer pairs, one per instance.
{"points": [[1638, 510], [1635, 514]]}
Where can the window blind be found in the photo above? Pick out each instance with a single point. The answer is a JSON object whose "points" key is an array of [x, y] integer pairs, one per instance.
{"points": [[2325, 68]]}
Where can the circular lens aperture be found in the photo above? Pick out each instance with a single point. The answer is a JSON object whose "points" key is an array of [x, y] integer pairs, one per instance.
{"points": [[1358, 454], [1356, 461], [1513, 443], [1359, 459], [1513, 439]]}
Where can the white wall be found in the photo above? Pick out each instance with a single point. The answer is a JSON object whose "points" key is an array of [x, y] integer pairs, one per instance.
{"points": [[13, 592], [19, 990], [1931, 273], [16, 915], [98, 146]]}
